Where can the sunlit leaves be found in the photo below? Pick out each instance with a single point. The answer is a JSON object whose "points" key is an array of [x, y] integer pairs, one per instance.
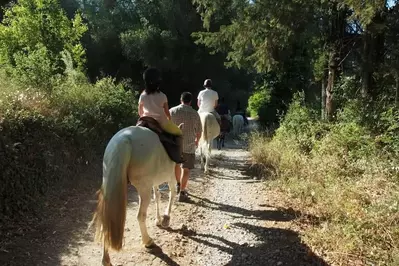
{"points": [[35, 32]]}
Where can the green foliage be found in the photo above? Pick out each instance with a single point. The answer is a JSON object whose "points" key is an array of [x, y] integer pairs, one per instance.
{"points": [[33, 34], [389, 126], [134, 35], [94, 111], [42, 135], [152, 46], [34, 67], [337, 172], [259, 98], [364, 11], [259, 35]]}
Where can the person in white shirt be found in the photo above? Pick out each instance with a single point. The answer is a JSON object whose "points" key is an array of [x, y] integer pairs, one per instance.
{"points": [[208, 100]]}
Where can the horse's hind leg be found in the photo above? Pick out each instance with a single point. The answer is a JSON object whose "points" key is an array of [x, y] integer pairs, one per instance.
{"points": [[145, 198], [208, 156], [157, 195], [166, 217], [106, 261], [202, 157]]}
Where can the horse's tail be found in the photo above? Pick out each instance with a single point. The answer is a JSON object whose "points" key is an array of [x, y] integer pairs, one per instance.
{"points": [[110, 215], [204, 142], [206, 125]]}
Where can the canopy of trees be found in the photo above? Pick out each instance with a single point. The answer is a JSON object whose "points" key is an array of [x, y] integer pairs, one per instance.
{"points": [[311, 46], [118, 39]]}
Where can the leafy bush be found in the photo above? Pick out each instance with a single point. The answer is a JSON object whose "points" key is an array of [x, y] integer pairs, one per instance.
{"points": [[300, 126], [46, 138], [33, 34], [339, 173], [259, 98]]}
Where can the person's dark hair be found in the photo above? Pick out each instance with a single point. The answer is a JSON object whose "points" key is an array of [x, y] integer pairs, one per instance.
{"points": [[152, 80], [186, 97]]}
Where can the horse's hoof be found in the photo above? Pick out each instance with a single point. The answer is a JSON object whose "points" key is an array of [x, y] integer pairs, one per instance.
{"points": [[150, 244], [165, 221], [106, 263], [158, 222]]}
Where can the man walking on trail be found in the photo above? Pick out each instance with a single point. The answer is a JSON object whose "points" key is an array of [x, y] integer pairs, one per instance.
{"points": [[208, 100], [192, 130]]}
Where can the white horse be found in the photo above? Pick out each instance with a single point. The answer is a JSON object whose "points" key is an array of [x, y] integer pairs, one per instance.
{"points": [[210, 130], [133, 154], [238, 124]]}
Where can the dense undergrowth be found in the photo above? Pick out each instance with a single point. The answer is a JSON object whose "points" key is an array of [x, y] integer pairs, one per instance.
{"points": [[53, 121], [346, 173], [47, 137]]}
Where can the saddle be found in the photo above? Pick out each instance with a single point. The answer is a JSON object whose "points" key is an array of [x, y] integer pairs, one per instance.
{"points": [[170, 142]]}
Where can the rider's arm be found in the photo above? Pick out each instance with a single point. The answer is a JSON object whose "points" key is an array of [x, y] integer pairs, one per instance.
{"points": [[141, 109], [166, 110], [198, 103], [197, 138]]}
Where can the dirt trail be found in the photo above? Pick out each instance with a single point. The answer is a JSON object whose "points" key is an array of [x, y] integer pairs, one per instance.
{"points": [[230, 220]]}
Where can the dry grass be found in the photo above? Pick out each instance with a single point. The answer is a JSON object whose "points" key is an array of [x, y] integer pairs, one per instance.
{"points": [[357, 199]]}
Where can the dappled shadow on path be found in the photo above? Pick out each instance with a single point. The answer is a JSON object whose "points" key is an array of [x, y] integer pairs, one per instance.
{"points": [[271, 215], [274, 246]]}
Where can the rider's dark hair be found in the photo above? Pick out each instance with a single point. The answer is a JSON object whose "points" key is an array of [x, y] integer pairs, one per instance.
{"points": [[186, 97], [152, 80]]}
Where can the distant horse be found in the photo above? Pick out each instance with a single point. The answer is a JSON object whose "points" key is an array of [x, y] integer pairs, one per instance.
{"points": [[224, 129], [137, 155], [238, 124], [210, 130]]}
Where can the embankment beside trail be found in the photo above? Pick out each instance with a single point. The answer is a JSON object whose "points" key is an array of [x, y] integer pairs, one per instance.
{"points": [[50, 141]]}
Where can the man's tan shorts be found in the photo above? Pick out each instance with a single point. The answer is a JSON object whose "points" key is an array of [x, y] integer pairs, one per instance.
{"points": [[189, 160]]}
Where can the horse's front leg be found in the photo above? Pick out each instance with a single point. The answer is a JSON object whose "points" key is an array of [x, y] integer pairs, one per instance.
{"points": [[157, 196], [144, 200], [166, 217]]}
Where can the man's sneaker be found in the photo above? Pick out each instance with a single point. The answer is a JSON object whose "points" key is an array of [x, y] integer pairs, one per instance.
{"points": [[177, 188], [183, 196]]}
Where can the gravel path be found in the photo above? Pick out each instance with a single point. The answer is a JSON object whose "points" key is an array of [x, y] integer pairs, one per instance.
{"points": [[230, 220]]}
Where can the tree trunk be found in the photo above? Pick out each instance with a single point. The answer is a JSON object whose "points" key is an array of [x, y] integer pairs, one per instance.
{"points": [[332, 72], [366, 65], [323, 98]]}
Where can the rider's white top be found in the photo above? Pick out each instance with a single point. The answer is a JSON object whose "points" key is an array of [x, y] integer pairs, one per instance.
{"points": [[207, 98]]}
